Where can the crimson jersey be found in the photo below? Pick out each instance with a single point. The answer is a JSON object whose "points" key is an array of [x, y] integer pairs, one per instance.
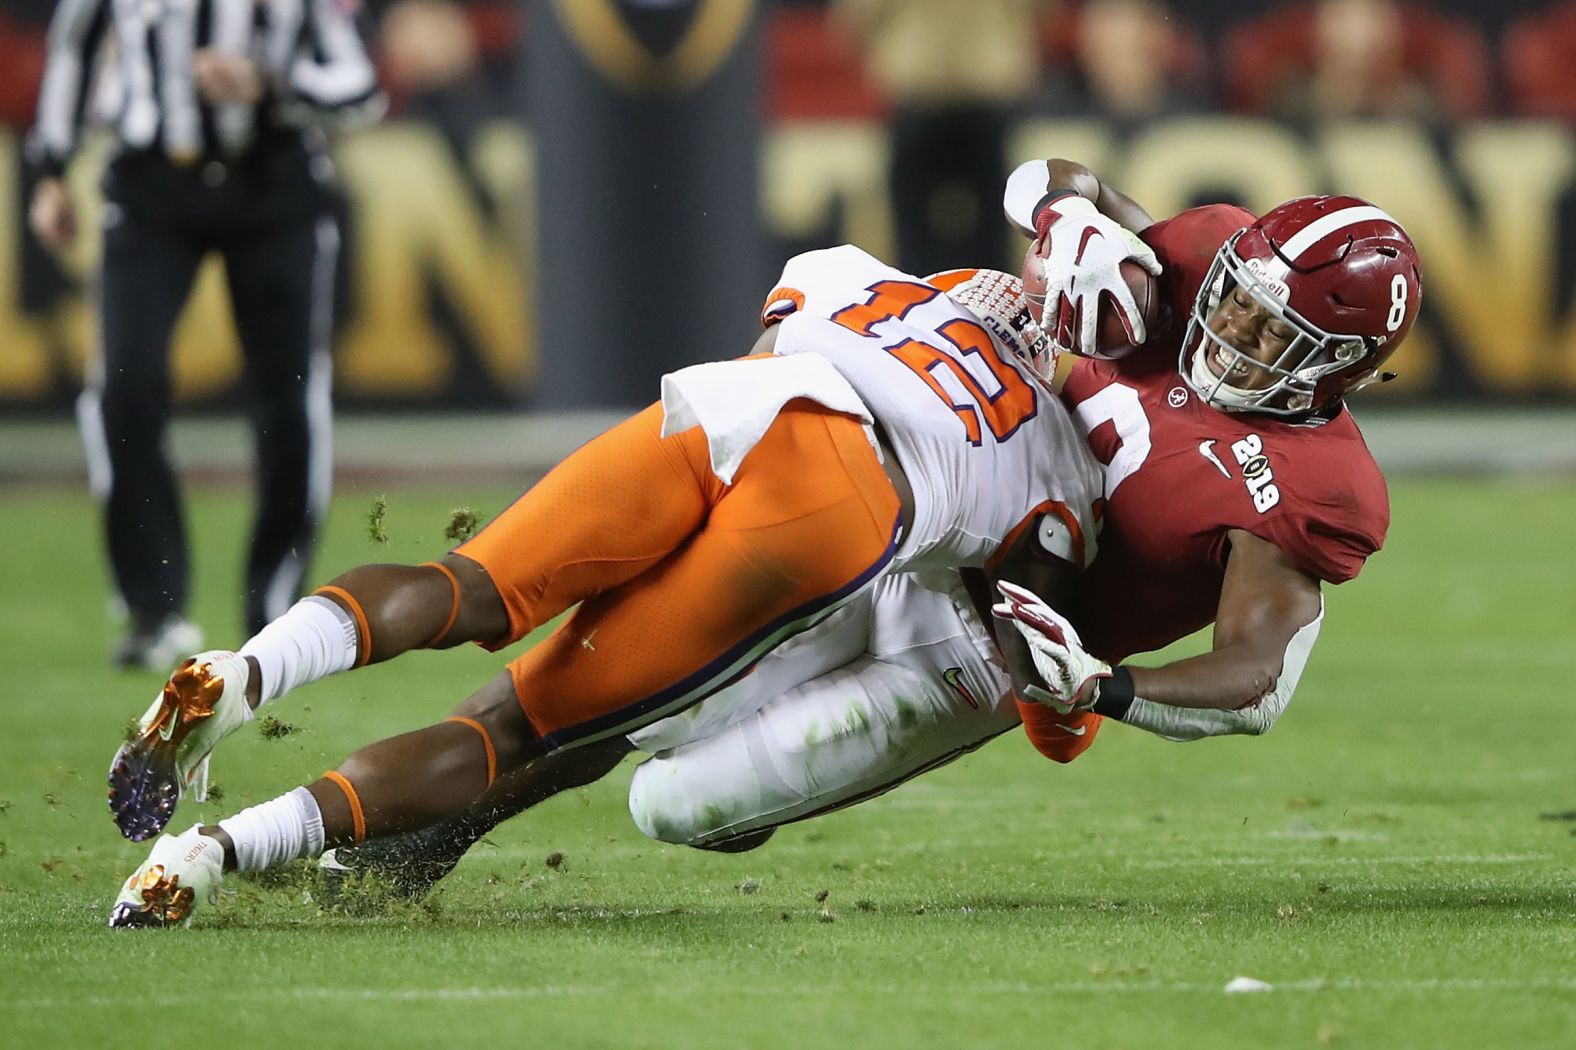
{"points": [[1180, 474]]}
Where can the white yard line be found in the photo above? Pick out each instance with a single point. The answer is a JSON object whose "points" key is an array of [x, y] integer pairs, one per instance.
{"points": [[484, 854], [1452, 985]]}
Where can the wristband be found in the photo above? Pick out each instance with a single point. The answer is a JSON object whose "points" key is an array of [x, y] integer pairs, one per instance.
{"points": [[1047, 205], [1114, 695], [1052, 195]]}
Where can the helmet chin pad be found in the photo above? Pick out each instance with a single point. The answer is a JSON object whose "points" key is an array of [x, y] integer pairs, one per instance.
{"points": [[1216, 390]]}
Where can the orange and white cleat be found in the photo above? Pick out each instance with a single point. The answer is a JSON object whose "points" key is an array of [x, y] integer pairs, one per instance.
{"points": [[203, 702], [181, 872]]}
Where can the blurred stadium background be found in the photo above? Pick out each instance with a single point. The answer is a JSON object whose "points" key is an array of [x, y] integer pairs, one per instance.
{"points": [[571, 197]]}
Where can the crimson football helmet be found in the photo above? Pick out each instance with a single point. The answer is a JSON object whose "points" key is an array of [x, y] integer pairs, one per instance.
{"points": [[1340, 272]]}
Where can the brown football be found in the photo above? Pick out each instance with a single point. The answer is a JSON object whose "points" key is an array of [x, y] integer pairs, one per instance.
{"points": [[1111, 336]]}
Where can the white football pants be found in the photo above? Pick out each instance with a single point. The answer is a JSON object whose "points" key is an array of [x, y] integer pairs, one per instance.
{"points": [[896, 683]]}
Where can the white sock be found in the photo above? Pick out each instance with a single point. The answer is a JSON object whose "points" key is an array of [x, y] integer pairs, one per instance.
{"points": [[313, 639], [266, 836]]}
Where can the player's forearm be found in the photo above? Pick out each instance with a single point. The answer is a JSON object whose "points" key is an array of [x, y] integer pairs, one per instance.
{"points": [[1217, 694], [1032, 181], [1224, 679]]}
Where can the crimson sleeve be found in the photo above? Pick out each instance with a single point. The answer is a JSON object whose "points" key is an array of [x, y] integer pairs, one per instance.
{"points": [[1330, 550], [1335, 514]]}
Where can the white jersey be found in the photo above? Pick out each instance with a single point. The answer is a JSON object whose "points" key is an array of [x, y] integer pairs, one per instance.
{"points": [[985, 444]]}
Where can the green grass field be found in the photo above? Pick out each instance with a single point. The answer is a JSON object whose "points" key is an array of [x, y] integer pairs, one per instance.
{"points": [[1380, 858]]}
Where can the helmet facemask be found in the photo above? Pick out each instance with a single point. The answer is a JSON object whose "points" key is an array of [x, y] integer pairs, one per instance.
{"points": [[1311, 355]]}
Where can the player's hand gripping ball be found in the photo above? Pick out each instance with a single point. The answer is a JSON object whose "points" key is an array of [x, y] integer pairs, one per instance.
{"points": [[1071, 676], [1092, 280]]}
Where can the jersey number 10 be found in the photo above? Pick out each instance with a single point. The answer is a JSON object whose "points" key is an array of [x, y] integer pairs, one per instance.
{"points": [[1002, 411]]}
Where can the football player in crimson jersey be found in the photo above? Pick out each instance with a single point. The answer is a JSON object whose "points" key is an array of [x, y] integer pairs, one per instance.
{"points": [[1236, 483], [1236, 479]]}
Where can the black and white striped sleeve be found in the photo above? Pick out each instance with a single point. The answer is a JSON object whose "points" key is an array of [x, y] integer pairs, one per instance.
{"points": [[75, 32], [331, 79]]}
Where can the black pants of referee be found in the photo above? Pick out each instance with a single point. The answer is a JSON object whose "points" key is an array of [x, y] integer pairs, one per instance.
{"points": [[273, 225]]}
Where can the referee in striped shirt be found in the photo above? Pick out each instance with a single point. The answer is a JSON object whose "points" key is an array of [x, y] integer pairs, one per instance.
{"points": [[220, 108]]}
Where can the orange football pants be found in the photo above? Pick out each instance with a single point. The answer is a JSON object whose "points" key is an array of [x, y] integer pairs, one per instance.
{"points": [[683, 582]]}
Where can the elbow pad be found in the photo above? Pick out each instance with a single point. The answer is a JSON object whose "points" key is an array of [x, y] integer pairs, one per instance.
{"points": [[1256, 719]]}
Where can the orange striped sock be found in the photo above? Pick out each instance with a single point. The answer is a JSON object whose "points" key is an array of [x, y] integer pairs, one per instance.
{"points": [[363, 632], [358, 820]]}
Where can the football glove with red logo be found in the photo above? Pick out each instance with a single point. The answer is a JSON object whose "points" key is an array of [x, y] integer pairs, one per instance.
{"points": [[1082, 258], [1071, 675]]}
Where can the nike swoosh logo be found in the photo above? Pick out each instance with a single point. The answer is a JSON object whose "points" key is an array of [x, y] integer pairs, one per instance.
{"points": [[1074, 730], [1089, 234], [1205, 450], [953, 676]]}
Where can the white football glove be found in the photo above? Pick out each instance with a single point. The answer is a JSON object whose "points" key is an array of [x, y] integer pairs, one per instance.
{"points": [[1083, 259], [1071, 675]]}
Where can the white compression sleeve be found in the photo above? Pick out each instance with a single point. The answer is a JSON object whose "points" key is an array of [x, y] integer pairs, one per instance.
{"points": [[1025, 188], [281, 830], [1193, 723], [313, 639]]}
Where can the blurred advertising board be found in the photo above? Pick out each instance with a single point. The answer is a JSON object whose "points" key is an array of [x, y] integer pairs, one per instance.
{"points": [[438, 302]]}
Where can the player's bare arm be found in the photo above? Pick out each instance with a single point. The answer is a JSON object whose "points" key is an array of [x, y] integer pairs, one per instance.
{"points": [[1265, 600], [1268, 618], [1033, 181]]}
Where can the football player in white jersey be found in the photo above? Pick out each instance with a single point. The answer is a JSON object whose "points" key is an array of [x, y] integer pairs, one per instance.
{"points": [[1304, 504], [1236, 482], [889, 432]]}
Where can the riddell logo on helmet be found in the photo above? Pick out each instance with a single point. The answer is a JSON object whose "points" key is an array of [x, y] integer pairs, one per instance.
{"points": [[1277, 287], [1257, 473]]}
